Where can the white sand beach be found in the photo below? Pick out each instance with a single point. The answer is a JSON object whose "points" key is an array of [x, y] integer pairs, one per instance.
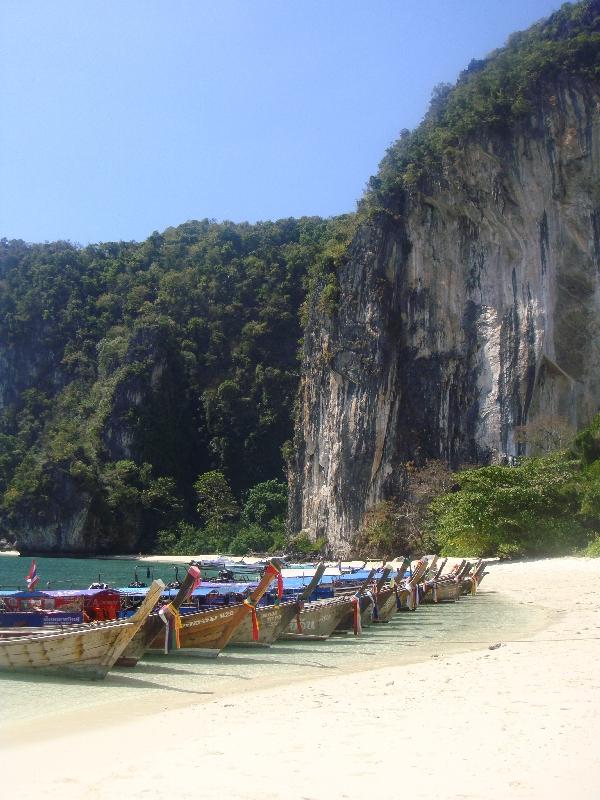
{"points": [[518, 721]]}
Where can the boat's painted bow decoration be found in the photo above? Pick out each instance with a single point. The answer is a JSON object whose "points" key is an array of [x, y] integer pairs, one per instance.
{"points": [[172, 620], [271, 569], [299, 607], [194, 571]]}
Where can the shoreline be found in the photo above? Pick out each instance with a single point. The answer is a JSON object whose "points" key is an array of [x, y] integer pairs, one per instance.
{"points": [[516, 721]]}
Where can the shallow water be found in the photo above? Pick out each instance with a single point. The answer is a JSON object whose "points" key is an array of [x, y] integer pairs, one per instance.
{"points": [[45, 706], [78, 573]]}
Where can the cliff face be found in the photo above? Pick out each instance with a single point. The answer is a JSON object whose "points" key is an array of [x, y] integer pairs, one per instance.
{"points": [[474, 311]]}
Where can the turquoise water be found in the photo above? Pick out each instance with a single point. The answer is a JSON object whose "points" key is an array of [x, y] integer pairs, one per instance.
{"points": [[40, 706], [78, 573]]}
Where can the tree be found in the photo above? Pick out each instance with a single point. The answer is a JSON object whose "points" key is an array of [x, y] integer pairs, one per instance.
{"points": [[216, 503], [530, 509], [265, 502]]}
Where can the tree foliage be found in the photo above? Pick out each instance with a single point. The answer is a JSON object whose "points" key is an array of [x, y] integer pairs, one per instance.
{"points": [[179, 352], [491, 95], [542, 506]]}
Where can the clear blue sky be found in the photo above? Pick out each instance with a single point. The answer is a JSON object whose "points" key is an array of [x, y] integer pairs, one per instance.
{"points": [[120, 117]]}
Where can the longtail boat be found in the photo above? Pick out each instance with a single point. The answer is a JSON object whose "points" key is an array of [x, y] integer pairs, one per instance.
{"points": [[319, 619], [360, 611], [378, 596], [470, 581], [441, 588], [162, 621], [274, 619], [82, 651], [206, 633], [387, 602], [376, 605], [408, 592]]}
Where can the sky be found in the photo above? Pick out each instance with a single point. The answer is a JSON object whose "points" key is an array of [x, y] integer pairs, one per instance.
{"points": [[121, 117]]}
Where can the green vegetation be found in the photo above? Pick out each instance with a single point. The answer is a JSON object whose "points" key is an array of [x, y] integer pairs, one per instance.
{"points": [[152, 384], [543, 506], [135, 367], [491, 95], [398, 527], [593, 548], [259, 526]]}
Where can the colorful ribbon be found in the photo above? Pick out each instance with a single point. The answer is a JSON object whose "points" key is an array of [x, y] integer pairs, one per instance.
{"points": [[271, 569], [251, 607], [398, 600], [413, 597], [375, 609], [357, 622], [172, 619]]}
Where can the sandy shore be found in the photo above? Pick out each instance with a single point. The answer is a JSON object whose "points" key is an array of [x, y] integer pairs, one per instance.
{"points": [[518, 721]]}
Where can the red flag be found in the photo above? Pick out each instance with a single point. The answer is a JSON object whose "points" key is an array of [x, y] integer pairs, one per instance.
{"points": [[32, 576]]}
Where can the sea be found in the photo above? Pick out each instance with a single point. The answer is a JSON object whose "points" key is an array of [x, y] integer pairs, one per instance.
{"points": [[77, 573], [38, 706]]}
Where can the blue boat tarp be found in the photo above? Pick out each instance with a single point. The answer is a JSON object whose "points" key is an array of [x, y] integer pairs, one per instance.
{"points": [[203, 590]]}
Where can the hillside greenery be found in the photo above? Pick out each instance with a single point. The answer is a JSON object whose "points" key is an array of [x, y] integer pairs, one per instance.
{"points": [[549, 505], [157, 380], [137, 367], [491, 96]]}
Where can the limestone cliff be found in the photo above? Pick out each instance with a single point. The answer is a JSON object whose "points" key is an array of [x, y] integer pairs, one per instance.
{"points": [[472, 309]]}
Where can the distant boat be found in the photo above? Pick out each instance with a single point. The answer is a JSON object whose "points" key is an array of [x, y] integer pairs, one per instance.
{"points": [[81, 651]]}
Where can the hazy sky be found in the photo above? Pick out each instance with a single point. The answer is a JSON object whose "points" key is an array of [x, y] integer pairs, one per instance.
{"points": [[120, 117]]}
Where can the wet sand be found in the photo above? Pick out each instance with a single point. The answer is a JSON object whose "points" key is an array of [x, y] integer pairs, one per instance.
{"points": [[521, 720]]}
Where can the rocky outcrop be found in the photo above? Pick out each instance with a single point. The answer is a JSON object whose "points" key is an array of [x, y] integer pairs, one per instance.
{"points": [[472, 312]]}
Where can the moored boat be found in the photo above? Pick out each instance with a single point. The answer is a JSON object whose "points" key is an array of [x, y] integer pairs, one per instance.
{"points": [[320, 618], [206, 633], [274, 619], [83, 651], [387, 604], [470, 580], [159, 622], [408, 591]]}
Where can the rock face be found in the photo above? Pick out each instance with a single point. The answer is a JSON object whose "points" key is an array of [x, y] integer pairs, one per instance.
{"points": [[472, 313]]}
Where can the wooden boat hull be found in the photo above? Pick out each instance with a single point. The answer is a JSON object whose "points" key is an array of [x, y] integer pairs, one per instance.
{"points": [[272, 621], [386, 606], [447, 591], [318, 619], [83, 651], [206, 632], [366, 608]]}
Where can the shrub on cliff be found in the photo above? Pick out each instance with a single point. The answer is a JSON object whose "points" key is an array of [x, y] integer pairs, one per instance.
{"points": [[543, 506]]}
